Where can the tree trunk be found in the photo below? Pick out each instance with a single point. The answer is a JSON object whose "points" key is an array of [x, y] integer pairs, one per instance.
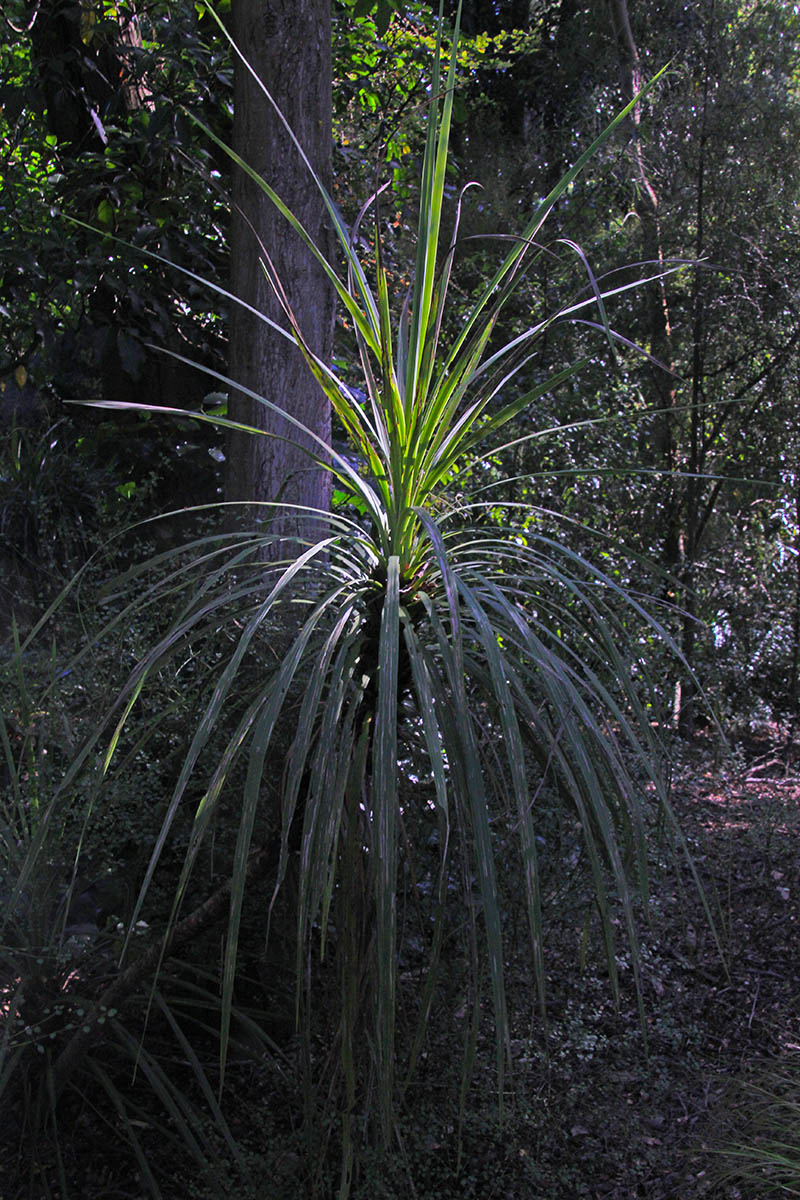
{"points": [[696, 461], [85, 71], [646, 208], [289, 46], [794, 669]]}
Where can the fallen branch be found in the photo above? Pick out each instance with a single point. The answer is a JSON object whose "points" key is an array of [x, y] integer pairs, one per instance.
{"points": [[128, 981]]}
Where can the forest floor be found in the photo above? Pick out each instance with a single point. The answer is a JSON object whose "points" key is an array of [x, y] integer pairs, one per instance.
{"points": [[588, 1112], [722, 1014]]}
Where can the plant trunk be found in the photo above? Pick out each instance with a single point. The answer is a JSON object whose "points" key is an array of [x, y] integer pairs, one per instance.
{"points": [[289, 47], [647, 210], [681, 512], [695, 465], [794, 669]]}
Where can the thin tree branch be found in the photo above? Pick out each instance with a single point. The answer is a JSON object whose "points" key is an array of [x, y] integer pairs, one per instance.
{"points": [[129, 980]]}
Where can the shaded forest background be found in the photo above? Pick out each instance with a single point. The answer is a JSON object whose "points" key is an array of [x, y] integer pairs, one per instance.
{"points": [[677, 449], [695, 470]]}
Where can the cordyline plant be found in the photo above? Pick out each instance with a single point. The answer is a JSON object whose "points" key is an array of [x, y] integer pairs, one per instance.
{"points": [[502, 649]]}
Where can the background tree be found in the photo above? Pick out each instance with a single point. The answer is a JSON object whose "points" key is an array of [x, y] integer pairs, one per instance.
{"points": [[700, 174], [730, 323], [122, 157], [288, 45]]}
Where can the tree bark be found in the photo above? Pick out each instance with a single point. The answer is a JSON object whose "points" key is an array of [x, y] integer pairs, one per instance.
{"points": [[646, 207], [794, 669], [289, 46], [696, 462]]}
